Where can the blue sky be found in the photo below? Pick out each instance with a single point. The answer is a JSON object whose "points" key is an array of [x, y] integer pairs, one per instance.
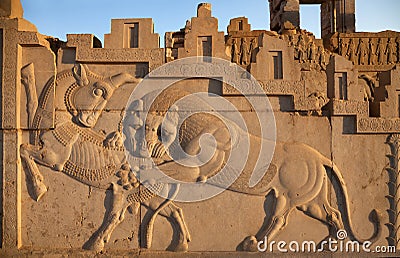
{"points": [[58, 18]]}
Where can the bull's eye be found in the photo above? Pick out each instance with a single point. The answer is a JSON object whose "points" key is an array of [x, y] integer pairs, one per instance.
{"points": [[98, 92]]}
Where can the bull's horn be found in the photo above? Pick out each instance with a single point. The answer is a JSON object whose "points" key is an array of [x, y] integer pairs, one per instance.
{"points": [[122, 78], [80, 73]]}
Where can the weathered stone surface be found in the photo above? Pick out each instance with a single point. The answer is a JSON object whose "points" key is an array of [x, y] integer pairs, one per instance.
{"points": [[11, 9], [79, 152], [336, 16]]}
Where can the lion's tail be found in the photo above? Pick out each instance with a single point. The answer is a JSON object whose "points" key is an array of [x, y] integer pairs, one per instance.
{"points": [[374, 216]]}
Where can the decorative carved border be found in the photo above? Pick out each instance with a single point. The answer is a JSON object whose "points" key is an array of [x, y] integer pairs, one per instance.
{"points": [[394, 190], [349, 107], [378, 125], [273, 87]]}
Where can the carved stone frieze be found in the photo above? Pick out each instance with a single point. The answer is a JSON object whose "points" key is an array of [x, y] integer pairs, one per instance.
{"points": [[213, 143], [309, 51], [369, 51]]}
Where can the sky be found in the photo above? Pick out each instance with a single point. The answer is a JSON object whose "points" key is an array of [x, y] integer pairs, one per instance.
{"points": [[61, 17]]}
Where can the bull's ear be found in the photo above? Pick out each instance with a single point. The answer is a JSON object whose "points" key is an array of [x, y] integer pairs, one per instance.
{"points": [[80, 74], [172, 115]]}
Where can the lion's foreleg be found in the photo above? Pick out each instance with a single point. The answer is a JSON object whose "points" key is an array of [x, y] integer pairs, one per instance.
{"points": [[112, 219], [150, 224]]}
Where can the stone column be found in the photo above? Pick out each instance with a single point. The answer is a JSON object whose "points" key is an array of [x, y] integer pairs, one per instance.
{"points": [[284, 15], [11, 167], [338, 16], [14, 32]]}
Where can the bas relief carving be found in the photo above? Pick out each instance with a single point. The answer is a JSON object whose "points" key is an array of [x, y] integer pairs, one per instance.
{"points": [[308, 50], [335, 94], [370, 50], [298, 177], [242, 50]]}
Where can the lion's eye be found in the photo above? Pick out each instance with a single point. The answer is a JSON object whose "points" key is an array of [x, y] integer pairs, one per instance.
{"points": [[159, 134], [98, 92]]}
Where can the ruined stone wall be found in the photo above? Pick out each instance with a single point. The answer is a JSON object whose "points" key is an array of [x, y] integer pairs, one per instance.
{"points": [[68, 188], [336, 16]]}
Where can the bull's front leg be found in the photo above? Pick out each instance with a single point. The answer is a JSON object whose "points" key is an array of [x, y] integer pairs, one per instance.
{"points": [[36, 187], [52, 154]]}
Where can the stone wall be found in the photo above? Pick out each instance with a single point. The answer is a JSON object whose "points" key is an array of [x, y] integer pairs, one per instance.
{"points": [[74, 174]]}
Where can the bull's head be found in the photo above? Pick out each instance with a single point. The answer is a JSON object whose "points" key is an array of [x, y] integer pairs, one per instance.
{"points": [[91, 96]]}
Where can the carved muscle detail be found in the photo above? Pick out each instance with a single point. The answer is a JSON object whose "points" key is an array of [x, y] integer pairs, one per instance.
{"points": [[96, 138], [66, 130]]}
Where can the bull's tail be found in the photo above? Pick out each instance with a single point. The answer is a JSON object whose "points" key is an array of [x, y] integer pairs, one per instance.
{"points": [[374, 216]]}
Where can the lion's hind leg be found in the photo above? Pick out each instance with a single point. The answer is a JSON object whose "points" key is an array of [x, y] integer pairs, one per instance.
{"points": [[320, 209], [278, 222], [175, 215]]}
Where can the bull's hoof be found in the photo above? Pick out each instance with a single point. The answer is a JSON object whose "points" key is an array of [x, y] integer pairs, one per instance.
{"points": [[96, 245], [38, 190], [249, 244], [182, 247]]}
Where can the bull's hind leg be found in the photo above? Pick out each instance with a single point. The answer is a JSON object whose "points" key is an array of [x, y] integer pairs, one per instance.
{"points": [[278, 222], [112, 219], [320, 209]]}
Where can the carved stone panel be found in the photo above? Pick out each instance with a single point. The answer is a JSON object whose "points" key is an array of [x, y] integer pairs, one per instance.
{"points": [[222, 145], [368, 51]]}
